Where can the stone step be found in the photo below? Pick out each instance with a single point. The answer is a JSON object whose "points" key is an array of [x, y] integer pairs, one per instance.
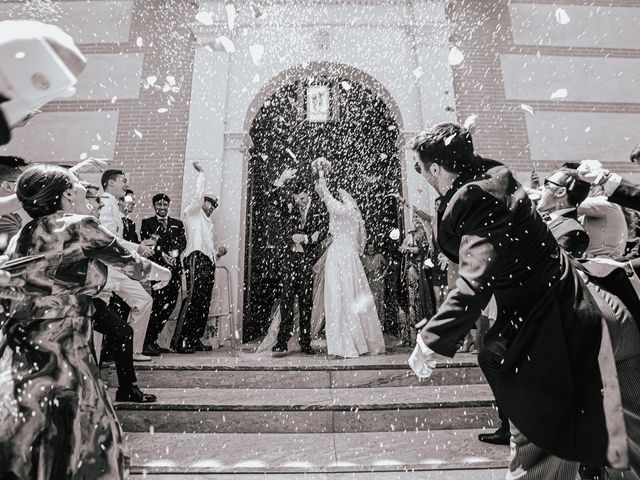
{"points": [[326, 453], [205, 370], [302, 410], [466, 474]]}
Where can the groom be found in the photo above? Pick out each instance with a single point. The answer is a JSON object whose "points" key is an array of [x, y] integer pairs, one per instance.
{"points": [[303, 226]]}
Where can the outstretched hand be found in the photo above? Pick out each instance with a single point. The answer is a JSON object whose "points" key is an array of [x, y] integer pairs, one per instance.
{"points": [[288, 174], [100, 163]]}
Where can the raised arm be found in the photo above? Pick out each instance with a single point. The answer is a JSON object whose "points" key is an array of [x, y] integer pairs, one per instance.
{"points": [[9, 204], [197, 199]]}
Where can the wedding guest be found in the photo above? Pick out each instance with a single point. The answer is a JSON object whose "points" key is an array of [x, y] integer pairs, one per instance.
{"points": [[126, 205], [170, 244], [108, 322], [200, 258], [375, 266], [56, 409], [415, 249], [10, 220], [114, 184], [547, 316], [562, 195]]}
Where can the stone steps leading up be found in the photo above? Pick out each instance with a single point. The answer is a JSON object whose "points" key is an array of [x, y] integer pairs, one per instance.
{"points": [[304, 410], [466, 474], [388, 452], [296, 371]]}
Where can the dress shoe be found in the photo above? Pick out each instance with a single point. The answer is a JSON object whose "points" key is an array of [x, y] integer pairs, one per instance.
{"points": [[501, 436], [278, 351], [185, 350], [161, 349], [150, 350], [139, 357], [307, 350], [134, 394], [201, 347]]}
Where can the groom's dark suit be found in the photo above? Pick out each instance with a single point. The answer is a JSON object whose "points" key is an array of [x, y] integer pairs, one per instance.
{"points": [[296, 266], [570, 233]]}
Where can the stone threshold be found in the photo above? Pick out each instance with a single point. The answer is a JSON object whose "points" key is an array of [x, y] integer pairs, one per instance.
{"points": [[202, 453], [325, 399]]}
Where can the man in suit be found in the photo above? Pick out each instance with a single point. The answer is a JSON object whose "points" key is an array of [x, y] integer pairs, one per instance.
{"points": [[170, 243], [560, 344], [126, 205], [304, 225], [563, 191]]}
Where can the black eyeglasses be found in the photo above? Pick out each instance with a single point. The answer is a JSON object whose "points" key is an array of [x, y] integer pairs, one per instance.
{"points": [[548, 182]]}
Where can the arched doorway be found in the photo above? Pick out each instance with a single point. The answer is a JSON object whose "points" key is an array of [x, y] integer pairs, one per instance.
{"points": [[359, 135]]}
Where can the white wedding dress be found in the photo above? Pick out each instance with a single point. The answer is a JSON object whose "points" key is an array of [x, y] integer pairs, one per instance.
{"points": [[351, 321]]}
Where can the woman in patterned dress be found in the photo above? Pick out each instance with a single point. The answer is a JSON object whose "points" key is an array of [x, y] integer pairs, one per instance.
{"points": [[56, 420]]}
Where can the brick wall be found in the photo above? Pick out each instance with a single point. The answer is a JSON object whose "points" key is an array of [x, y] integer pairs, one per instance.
{"points": [[484, 33]]}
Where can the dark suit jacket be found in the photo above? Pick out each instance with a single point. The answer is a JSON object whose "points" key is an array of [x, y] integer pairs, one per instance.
{"points": [[570, 233], [627, 195], [129, 230], [170, 240], [290, 223], [548, 327]]}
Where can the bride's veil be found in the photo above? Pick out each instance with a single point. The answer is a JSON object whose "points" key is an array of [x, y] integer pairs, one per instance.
{"points": [[350, 202]]}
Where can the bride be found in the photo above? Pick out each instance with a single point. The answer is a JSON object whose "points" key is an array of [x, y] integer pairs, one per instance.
{"points": [[351, 322]]}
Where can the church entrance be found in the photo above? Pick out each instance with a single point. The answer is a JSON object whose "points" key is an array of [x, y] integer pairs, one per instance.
{"points": [[339, 119]]}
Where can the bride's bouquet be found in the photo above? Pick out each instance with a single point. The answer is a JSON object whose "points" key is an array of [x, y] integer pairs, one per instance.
{"points": [[321, 164]]}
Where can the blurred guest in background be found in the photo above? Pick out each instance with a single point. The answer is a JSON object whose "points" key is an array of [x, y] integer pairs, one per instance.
{"points": [[170, 243], [126, 205], [375, 266]]}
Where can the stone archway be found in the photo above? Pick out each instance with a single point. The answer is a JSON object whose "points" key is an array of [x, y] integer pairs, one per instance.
{"points": [[369, 161]]}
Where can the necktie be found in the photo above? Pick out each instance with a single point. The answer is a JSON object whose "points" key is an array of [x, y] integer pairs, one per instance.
{"points": [[303, 216], [163, 222]]}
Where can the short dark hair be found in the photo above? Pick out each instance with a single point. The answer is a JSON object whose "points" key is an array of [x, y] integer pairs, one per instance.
{"points": [[634, 156], [160, 196], [10, 165], [41, 187], [110, 175], [577, 189], [446, 144], [571, 165], [298, 186]]}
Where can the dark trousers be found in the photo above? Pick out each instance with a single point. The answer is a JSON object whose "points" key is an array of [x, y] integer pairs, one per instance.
{"points": [[194, 312], [164, 302], [109, 344], [490, 363], [111, 325], [297, 281]]}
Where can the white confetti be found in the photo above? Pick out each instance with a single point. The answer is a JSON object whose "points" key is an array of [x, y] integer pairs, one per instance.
{"points": [[470, 121], [527, 108], [560, 93], [163, 110], [20, 55], [345, 85], [231, 15], [456, 57], [256, 51], [166, 88], [293, 155], [83, 156], [114, 99], [561, 16], [171, 80], [418, 72], [226, 43], [139, 42], [394, 234], [449, 139], [151, 80], [137, 133], [204, 18], [95, 147]]}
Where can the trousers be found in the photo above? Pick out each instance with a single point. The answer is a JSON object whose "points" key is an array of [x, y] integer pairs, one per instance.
{"points": [[194, 312], [164, 302], [297, 281]]}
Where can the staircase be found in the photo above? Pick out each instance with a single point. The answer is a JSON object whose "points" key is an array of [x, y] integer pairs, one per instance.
{"points": [[234, 413]]}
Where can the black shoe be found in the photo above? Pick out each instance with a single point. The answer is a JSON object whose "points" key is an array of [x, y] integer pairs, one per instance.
{"points": [[501, 436], [185, 350], [278, 351], [201, 347], [161, 349], [307, 350], [151, 350], [134, 394]]}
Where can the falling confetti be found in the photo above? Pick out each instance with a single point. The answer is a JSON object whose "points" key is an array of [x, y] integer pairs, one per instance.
{"points": [[231, 15], [345, 85], [470, 121], [137, 133], [163, 110], [418, 72], [139, 42], [456, 57], [256, 51], [226, 43], [205, 18], [560, 93], [561, 16], [527, 108]]}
